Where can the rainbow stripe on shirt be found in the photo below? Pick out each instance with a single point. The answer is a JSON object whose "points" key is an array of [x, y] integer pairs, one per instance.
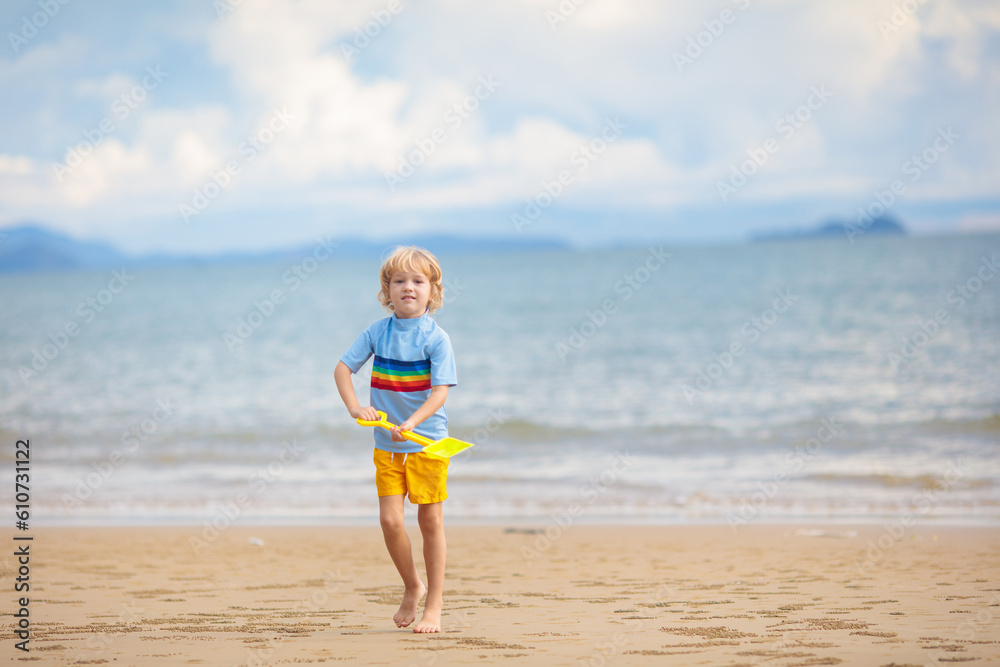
{"points": [[396, 375]]}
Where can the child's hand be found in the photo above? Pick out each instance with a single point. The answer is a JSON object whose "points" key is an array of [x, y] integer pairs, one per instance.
{"points": [[396, 433], [368, 414]]}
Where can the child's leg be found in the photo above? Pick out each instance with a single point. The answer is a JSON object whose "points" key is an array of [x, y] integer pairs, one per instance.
{"points": [[390, 509], [431, 520]]}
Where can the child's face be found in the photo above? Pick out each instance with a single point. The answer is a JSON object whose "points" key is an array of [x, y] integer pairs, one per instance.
{"points": [[409, 294]]}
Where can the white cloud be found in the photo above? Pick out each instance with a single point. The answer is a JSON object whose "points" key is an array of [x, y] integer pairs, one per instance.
{"points": [[346, 125], [276, 54], [16, 166], [354, 121]]}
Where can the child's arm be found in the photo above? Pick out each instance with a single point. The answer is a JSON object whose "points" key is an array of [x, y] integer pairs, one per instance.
{"points": [[433, 403], [342, 376]]}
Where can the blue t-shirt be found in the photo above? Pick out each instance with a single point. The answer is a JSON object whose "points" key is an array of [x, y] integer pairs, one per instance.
{"points": [[411, 356]]}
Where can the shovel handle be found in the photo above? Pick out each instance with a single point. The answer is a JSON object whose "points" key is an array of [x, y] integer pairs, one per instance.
{"points": [[409, 435]]}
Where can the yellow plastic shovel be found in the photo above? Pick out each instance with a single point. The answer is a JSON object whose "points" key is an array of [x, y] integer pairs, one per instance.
{"points": [[445, 448]]}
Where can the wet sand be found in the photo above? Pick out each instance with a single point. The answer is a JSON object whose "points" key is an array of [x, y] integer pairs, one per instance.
{"points": [[679, 595]]}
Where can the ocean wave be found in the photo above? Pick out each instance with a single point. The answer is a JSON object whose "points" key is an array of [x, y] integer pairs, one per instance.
{"points": [[923, 482], [975, 425], [176, 442]]}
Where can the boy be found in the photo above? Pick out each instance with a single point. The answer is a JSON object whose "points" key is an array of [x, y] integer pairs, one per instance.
{"points": [[414, 366]]}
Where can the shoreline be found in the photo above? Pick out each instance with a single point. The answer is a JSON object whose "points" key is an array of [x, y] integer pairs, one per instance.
{"points": [[519, 522], [789, 594]]}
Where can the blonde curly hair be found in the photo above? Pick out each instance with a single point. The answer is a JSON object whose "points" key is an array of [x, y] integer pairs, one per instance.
{"points": [[412, 259]]}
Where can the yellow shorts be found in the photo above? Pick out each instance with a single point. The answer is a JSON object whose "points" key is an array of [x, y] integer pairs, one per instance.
{"points": [[424, 476]]}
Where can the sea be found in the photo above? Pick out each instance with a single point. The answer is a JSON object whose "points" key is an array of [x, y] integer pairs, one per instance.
{"points": [[808, 381]]}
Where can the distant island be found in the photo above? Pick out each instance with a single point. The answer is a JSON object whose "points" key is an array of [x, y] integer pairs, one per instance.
{"points": [[881, 226], [32, 247]]}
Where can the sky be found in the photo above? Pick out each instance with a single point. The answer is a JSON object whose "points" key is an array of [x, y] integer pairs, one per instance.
{"points": [[213, 125]]}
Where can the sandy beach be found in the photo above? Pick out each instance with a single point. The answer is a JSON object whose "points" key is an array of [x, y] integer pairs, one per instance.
{"points": [[584, 595]]}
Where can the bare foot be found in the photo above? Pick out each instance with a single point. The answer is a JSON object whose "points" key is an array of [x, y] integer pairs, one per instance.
{"points": [[431, 622], [407, 611]]}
